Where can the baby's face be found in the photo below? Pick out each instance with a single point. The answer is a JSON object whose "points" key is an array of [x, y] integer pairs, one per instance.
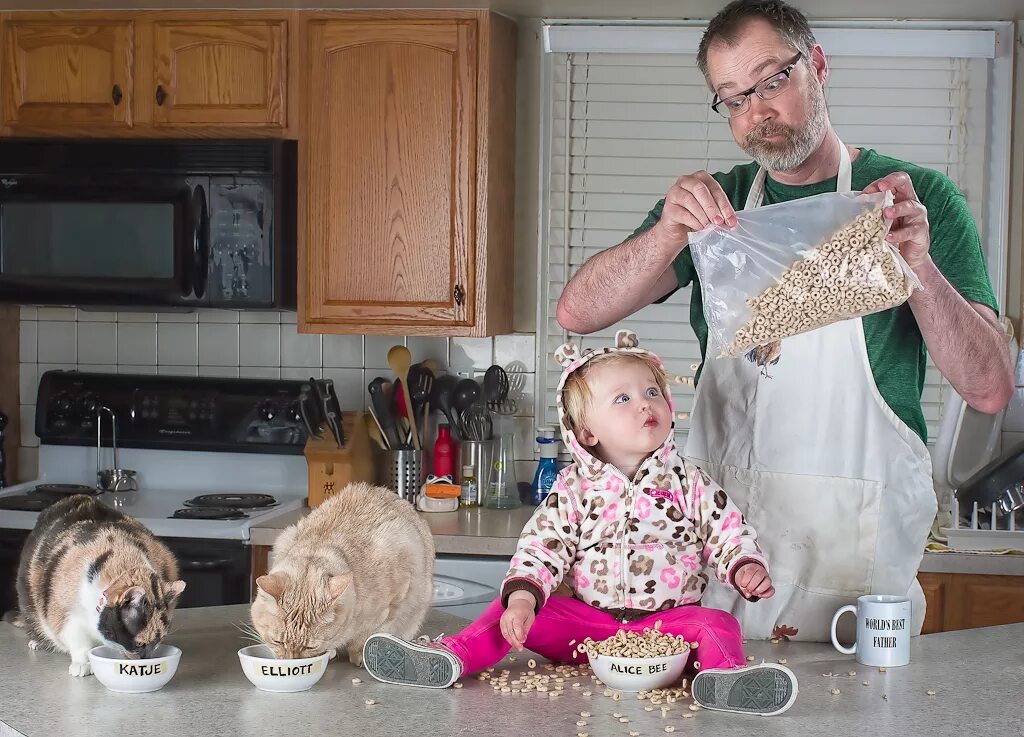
{"points": [[627, 414]]}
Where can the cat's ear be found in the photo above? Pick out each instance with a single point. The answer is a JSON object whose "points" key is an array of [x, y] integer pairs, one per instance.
{"points": [[174, 589], [338, 585], [132, 608], [272, 585]]}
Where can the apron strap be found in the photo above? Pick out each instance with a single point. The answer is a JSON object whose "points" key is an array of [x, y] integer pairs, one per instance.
{"points": [[843, 182]]}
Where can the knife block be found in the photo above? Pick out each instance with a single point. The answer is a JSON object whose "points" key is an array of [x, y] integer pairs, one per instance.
{"points": [[331, 468]]}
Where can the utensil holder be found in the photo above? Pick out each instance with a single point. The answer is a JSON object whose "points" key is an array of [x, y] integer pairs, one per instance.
{"points": [[478, 454], [405, 471], [330, 468]]}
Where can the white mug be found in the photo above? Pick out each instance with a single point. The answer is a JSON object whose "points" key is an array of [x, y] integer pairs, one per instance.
{"points": [[883, 630]]}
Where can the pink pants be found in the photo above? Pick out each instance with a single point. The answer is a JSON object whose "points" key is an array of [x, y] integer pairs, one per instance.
{"points": [[563, 618]]}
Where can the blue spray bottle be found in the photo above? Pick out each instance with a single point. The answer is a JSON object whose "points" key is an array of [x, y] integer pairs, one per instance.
{"points": [[547, 468]]}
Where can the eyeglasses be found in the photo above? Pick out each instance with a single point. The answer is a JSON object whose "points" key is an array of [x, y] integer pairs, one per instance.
{"points": [[769, 87]]}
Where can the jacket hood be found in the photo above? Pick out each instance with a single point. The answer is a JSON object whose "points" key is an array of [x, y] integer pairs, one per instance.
{"points": [[571, 358]]}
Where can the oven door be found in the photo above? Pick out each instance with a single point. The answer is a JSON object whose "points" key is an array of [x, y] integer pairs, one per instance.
{"points": [[215, 572], [122, 242]]}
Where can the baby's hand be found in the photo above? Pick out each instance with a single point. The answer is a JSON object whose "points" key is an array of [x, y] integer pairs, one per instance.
{"points": [[517, 619], [751, 579]]}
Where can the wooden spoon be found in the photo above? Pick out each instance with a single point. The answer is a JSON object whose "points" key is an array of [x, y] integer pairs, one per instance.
{"points": [[399, 359]]}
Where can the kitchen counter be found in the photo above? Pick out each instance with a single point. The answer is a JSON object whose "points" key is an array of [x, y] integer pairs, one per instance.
{"points": [[468, 531], [976, 675], [476, 531]]}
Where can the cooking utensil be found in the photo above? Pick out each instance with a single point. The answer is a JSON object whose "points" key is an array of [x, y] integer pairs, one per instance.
{"points": [[310, 412], [399, 359], [421, 382], [495, 386], [373, 429], [1000, 482], [115, 479], [464, 396], [382, 411], [476, 422], [441, 397], [332, 411]]}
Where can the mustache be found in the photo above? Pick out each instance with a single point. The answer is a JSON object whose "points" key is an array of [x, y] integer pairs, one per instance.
{"points": [[768, 128]]}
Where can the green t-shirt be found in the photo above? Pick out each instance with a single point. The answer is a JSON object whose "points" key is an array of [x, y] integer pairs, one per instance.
{"points": [[896, 350]]}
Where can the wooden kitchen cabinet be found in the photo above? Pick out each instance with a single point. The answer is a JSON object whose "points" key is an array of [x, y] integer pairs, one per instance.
{"points": [[63, 73], [145, 73], [964, 601], [219, 72], [407, 171]]}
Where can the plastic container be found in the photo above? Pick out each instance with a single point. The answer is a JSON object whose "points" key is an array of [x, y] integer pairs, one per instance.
{"points": [[547, 467], [444, 452]]}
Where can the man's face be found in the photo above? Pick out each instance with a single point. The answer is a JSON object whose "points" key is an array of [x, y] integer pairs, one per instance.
{"points": [[782, 132]]}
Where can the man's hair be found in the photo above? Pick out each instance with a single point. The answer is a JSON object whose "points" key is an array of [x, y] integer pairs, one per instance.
{"points": [[576, 393], [725, 27]]}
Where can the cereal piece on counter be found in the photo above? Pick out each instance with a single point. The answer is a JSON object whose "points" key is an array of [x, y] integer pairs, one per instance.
{"points": [[694, 707], [930, 693], [835, 691], [750, 658], [852, 673], [370, 702], [356, 681], [669, 728], [782, 661], [881, 669]]}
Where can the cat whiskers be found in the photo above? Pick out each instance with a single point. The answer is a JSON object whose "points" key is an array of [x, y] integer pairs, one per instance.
{"points": [[249, 633]]}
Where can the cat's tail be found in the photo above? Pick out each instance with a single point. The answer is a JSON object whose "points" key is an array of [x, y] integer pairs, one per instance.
{"points": [[14, 617]]}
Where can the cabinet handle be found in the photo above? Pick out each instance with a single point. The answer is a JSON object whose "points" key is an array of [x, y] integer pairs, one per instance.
{"points": [[459, 295], [160, 94], [115, 94]]}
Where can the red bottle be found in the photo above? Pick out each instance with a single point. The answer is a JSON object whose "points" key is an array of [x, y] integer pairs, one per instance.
{"points": [[444, 453]]}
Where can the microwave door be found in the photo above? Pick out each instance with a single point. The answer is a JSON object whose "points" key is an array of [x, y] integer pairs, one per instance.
{"points": [[95, 245]]}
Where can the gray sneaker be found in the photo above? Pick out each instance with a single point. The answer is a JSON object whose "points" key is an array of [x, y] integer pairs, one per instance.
{"points": [[766, 689], [393, 660]]}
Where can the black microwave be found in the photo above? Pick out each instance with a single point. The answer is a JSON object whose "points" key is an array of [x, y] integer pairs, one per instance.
{"points": [[148, 223]]}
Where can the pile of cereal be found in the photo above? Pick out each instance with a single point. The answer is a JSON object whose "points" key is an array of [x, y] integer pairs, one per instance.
{"points": [[651, 643]]}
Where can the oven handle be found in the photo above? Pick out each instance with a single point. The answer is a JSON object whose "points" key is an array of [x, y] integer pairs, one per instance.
{"points": [[200, 237], [204, 564]]}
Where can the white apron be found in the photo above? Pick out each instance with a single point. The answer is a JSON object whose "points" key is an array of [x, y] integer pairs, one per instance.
{"points": [[838, 488]]}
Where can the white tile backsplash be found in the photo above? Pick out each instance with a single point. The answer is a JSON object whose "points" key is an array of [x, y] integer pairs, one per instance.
{"points": [[300, 349], [97, 342], [343, 351], [259, 344], [136, 343], [218, 344], [177, 344], [250, 345], [58, 342], [470, 353]]}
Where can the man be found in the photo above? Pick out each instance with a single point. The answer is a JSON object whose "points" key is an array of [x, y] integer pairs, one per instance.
{"points": [[828, 456]]}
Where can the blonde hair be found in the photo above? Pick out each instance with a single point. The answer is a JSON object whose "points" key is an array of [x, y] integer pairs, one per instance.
{"points": [[576, 393]]}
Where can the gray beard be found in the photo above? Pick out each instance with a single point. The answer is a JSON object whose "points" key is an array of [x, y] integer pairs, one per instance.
{"points": [[796, 145]]}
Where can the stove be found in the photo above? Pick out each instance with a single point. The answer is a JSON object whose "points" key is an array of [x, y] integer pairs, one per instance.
{"points": [[213, 458]]}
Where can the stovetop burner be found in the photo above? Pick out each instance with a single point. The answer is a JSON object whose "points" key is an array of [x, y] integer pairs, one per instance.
{"points": [[214, 513], [66, 489], [232, 501], [27, 502]]}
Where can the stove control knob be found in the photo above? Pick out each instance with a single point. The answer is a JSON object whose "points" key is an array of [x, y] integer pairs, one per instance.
{"points": [[293, 413], [62, 404], [267, 412], [87, 405]]}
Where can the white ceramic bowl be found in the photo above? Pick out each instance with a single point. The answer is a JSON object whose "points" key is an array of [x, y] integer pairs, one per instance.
{"points": [[277, 675], [639, 674], [142, 675]]}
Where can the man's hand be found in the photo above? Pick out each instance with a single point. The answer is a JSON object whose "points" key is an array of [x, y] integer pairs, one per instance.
{"points": [[751, 579], [517, 619], [910, 231], [693, 203]]}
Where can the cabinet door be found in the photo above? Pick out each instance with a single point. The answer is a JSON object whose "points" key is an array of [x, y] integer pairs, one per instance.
{"points": [[984, 601], [390, 166], [63, 73], [219, 72], [935, 586]]}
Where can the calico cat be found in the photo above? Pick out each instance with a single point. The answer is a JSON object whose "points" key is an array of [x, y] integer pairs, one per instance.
{"points": [[90, 575], [361, 562]]}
